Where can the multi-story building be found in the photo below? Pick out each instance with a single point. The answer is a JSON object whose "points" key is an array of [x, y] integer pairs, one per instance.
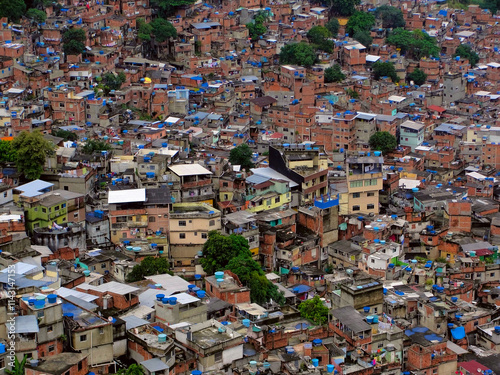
{"points": [[304, 165], [191, 183], [188, 227], [243, 223], [364, 181], [411, 134]]}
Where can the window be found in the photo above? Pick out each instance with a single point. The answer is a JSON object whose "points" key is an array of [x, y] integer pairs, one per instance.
{"points": [[103, 265], [75, 214], [370, 194], [152, 219], [373, 260], [182, 236], [50, 329], [44, 210], [355, 208], [277, 200], [204, 236], [218, 356], [101, 331], [40, 314], [355, 184], [211, 223], [182, 223], [5, 195], [80, 366], [51, 348], [370, 206], [83, 338], [356, 195], [371, 182]]}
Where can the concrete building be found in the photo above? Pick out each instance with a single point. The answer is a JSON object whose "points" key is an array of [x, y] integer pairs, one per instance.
{"points": [[217, 345], [189, 227], [411, 134], [364, 181], [453, 87], [180, 307], [243, 223], [191, 183], [97, 226], [228, 288]]}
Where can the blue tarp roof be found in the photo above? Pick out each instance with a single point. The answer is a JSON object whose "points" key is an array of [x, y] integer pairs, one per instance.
{"points": [[458, 333], [298, 289]]}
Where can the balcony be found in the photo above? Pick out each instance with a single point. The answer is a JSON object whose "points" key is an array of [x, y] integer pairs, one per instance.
{"points": [[193, 184], [326, 202]]}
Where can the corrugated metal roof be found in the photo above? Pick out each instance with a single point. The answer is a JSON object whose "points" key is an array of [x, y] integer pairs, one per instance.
{"points": [[65, 292], [25, 324], [133, 321]]}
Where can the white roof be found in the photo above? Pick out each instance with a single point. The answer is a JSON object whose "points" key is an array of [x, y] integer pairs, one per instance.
{"points": [[113, 287], [396, 98], [493, 64], [482, 93], [172, 119], [271, 173], [409, 184], [184, 298], [354, 46], [21, 268], [478, 176], [372, 58], [126, 196], [65, 292], [189, 169], [465, 34], [171, 284]]}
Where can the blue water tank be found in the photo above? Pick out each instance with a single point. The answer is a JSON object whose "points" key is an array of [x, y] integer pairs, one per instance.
{"points": [[159, 297], [246, 322], [200, 294]]}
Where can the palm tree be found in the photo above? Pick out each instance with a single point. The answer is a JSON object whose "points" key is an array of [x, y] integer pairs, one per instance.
{"points": [[18, 368]]}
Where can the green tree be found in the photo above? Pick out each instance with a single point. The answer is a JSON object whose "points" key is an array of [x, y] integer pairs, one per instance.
{"points": [[391, 17], [218, 250], [363, 37], [417, 76], [65, 134], [18, 368], [241, 155], [415, 44], [12, 9], [93, 145], [465, 51], [144, 30], [352, 93], [37, 15], [333, 26], [74, 41], [8, 154], [32, 151], [492, 5], [383, 141], [168, 7], [298, 54], [250, 274], [334, 74], [112, 81], [133, 369], [385, 69], [314, 310], [319, 36], [256, 30], [360, 21], [163, 30], [343, 8], [149, 266]]}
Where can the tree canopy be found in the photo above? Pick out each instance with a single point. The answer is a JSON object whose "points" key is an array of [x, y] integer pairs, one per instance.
{"points": [[334, 74], [65, 134], [343, 8], [383, 141], [360, 21], [415, 44], [74, 41], [391, 17], [163, 30], [418, 77], [12, 9], [8, 154], [257, 28], [250, 274], [111, 81], [385, 69], [333, 26], [364, 37], [318, 35], [93, 145], [314, 310], [168, 7], [32, 151], [37, 15], [298, 54], [148, 267], [465, 51], [133, 369], [218, 250], [241, 155]]}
